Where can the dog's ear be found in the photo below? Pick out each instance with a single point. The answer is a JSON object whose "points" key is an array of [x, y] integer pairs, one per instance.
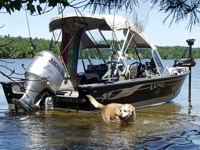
{"points": [[132, 108]]}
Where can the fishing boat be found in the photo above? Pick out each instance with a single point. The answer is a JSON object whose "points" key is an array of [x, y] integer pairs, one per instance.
{"points": [[119, 65]]}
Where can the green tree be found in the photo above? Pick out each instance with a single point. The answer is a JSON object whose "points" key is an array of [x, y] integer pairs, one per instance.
{"points": [[18, 47], [34, 6]]}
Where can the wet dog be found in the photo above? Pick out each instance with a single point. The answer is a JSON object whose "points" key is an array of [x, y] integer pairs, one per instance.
{"points": [[123, 112]]}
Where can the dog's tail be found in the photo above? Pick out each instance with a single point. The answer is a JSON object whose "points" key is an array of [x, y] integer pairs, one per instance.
{"points": [[94, 102]]}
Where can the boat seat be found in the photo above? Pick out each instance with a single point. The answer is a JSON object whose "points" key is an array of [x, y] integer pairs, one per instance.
{"points": [[131, 72], [89, 78], [100, 69]]}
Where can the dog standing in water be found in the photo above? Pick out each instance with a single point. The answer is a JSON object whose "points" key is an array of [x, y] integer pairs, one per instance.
{"points": [[123, 112]]}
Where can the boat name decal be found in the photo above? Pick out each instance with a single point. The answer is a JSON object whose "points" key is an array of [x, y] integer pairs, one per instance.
{"points": [[156, 85], [53, 62], [70, 100], [106, 95]]}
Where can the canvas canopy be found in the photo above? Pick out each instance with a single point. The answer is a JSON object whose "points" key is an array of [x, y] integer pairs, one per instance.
{"points": [[101, 22]]}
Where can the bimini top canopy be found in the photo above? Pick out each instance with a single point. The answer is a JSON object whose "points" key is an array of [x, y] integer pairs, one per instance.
{"points": [[102, 22]]}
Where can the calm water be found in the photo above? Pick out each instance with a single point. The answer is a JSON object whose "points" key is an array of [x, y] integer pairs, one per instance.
{"points": [[175, 125]]}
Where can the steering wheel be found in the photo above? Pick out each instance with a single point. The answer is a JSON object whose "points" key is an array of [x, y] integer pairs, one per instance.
{"points": [[136, 63]]}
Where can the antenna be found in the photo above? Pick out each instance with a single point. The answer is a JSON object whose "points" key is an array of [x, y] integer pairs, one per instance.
{"points": [[32, 46], [138, 12]]}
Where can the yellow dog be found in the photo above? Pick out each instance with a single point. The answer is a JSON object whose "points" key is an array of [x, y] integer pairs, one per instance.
{"points": [[123, 112]]}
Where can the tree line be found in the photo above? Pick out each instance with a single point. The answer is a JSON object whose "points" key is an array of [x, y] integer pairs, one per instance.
{"points": [[19, 47]]}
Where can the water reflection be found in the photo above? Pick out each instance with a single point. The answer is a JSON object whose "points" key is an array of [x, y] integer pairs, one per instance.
{"points": [[156, 127], [169, 126]]}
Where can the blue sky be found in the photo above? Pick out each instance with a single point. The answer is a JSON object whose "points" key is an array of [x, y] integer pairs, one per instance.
{"points": [[158, 33]]}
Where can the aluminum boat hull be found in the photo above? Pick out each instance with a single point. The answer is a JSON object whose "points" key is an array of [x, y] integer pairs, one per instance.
{"points": [[139, 92]]}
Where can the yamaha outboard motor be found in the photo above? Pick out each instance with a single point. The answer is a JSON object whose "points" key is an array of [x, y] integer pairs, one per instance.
{"points": [[44, 75]]}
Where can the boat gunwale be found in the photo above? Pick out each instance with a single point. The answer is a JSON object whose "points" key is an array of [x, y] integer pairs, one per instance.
{"points": [[142, 80]]}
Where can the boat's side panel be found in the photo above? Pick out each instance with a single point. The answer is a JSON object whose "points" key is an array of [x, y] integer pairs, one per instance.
{"points": [[140, 93]]}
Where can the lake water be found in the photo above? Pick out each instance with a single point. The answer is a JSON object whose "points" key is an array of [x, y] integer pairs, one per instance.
{"points": [[174, 125]]}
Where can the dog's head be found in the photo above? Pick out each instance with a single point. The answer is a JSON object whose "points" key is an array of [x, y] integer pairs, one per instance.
{"points": [[127, 113]]}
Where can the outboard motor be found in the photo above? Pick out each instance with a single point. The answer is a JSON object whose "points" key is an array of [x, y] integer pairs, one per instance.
{"points": [[44, 75]]}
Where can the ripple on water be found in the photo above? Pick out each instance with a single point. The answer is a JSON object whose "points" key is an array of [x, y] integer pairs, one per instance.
{"points": [[186, 140], [183, 147], [179, 141], [58, 129]]}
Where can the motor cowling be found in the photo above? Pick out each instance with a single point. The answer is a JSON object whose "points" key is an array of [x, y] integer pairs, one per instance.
{"points": [[44, 75]]}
